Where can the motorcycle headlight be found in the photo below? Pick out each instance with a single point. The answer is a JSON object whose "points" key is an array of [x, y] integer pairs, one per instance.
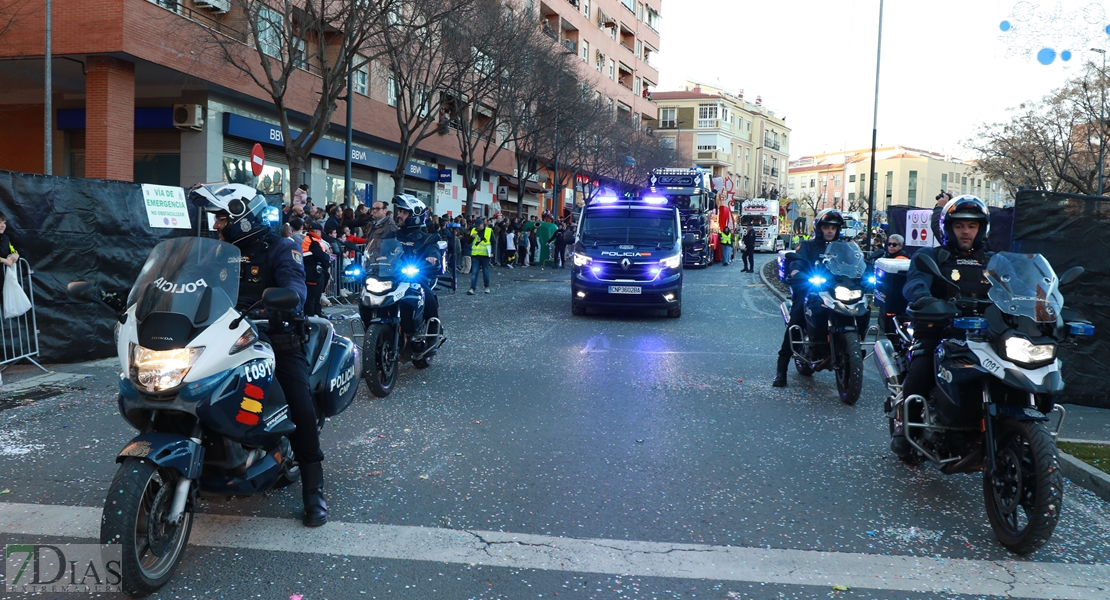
{"points": [[378, 286], [672, 262], [161, 370], [1022, 350], [845, 294], [581, 260]]}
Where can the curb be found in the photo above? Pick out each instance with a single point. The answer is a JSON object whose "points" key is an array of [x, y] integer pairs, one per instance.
{"points": [[1084, 475], [781, 296]]}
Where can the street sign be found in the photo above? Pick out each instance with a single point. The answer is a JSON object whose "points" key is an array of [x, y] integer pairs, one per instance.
{"points": [[165, 207], [258, 160], [502, 193]]}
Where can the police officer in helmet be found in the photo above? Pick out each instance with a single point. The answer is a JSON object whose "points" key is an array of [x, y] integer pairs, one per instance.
{"points": [[826, 228], [962, 257], [411, 218], [270, 260]]}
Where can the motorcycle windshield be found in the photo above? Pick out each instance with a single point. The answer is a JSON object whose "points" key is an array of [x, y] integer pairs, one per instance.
{"points": [[384, 262], [195, 277], [845, 259], [1024, 285]]}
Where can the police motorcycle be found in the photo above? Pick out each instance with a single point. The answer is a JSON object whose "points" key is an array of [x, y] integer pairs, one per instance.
{"points": [[836, 296], [198, 384], [392, 308], [996, 371]]}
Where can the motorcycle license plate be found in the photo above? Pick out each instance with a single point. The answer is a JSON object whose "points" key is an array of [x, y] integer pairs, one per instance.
{"points": [[624, 289]]}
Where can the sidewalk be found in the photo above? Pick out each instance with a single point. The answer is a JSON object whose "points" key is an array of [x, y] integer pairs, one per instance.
{"points": [[1081, 423]]}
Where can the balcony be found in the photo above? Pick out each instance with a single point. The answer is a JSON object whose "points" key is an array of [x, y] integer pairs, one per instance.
{"points": [[571, 45], [774, 172], [771, 144], [714, 157], [766, 170]]}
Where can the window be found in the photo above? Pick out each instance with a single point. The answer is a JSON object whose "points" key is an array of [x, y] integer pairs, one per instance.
{"points": [[298, 57], [791, 183], [629, 4], [612, 68], [943, 181], [667, 142], [812, 182], [270, 27], [168, 4], [600, 63], [362, 77], [636, 86], [711, 142], [652, 19], [391, 99], [639, 11], [836, 180], [639, 49], [913, 188], [889, 185], [851, 179], [851, 196], [963, 185], [585, 51], [586, 8], [707, 115]]}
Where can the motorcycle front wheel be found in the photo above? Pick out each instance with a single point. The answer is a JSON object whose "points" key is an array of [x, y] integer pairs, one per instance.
{"points": [[380, 354], [1024, 488], [135, 511], [849, 367]]}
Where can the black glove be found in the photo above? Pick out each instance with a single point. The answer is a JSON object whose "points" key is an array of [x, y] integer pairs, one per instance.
{"points": [[923, 301]]}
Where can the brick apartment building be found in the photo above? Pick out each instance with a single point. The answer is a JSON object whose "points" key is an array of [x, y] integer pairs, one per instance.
{"points": [[136, 98]]}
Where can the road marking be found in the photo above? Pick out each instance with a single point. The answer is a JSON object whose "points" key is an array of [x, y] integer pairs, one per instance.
{"points": [[615, 557]]}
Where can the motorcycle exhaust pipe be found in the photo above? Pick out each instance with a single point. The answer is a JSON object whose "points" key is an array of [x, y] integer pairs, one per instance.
{"points": [[886, 362], [784, 308]]}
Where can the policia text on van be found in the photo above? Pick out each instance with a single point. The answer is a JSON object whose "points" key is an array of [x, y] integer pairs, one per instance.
{"points": [[628, 254]]}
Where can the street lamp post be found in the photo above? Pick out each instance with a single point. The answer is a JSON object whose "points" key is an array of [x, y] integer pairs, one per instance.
{"points": [[1102, 115], [874, 134]]}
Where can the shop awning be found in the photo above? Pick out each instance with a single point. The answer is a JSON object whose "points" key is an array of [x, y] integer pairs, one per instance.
{"points": [[530, 186]]}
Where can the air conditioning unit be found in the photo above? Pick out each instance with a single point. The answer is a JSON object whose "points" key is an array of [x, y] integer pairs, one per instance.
{"points": [[188, 116], [216, 6]]}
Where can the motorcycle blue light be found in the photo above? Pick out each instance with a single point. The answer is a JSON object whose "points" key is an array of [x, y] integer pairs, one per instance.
{"points": [[817, 280], [410, 271], [970, 323], [596, 270], [872, 280], [1081, 329], [353, 272], [655, 199]]}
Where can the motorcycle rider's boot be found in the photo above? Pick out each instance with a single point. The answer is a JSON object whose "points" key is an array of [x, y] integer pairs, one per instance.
{"points": [[312, 493], [780, 372]]}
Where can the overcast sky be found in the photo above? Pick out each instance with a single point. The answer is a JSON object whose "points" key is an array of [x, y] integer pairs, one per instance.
{"points": [[947, 65]]}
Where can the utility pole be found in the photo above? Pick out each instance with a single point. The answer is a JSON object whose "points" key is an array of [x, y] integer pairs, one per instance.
{"points": [[1102, 116], [48, 145], [874, 134]]}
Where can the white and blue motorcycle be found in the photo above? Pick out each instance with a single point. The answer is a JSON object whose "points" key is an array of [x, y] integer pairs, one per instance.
{"points": [[198, 384]]}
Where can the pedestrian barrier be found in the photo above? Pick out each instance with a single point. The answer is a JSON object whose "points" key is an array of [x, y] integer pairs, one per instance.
{"points": [[346, 277], [19, 336]]}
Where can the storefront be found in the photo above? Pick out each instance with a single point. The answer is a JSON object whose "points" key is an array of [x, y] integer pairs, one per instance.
{"points": [[366, 164], [157, 146]]}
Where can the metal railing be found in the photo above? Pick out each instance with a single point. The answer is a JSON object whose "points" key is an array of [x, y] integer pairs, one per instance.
{"points": [[19, 336]]}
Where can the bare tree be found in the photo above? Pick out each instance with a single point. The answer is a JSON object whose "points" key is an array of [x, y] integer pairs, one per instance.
{"points": [[12, 12], [1051, 144], [285, 46], [426, 48]]}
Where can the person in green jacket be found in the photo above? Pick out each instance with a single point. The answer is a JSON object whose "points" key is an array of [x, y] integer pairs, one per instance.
{"points": [[545, 231], [726, 246]]}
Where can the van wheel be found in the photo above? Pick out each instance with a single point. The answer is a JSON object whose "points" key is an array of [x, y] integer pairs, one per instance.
{"points": [[577, 309], [674, 313]]}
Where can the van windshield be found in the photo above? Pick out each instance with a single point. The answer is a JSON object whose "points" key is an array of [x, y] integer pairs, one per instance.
{"points": [[629, 225], [753, 221]]}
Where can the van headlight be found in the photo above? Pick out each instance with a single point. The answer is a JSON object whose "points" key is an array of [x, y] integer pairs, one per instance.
{"points": [[581, 260], [378, 286], [672, 262], [161, 370], [1023, 350], [845, 294]]}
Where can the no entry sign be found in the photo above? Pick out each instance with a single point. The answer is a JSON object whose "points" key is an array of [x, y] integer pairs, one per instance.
{"points": [[258, 160]]}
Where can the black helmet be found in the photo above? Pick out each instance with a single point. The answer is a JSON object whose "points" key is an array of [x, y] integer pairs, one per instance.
{"points": [[829, 216], [244, 206], [418, 212], [965, 208]]}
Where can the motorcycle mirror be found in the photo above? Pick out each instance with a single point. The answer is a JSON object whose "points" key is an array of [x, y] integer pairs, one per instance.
{"points": [[280, 299], [688, 239], [80, 291], [924, 262], [1068, 277]]}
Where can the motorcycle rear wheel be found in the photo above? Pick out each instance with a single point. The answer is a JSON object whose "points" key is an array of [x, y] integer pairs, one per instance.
{"points": [[140, 496], [849, 367], [1025, 488], [378, 350]]}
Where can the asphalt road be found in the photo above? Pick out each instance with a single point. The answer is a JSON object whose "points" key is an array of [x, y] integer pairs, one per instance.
{"points": [[608, 456]]}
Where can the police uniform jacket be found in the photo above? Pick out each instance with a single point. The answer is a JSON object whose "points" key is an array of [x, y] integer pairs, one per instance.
{"points": [[809, 252], [273, 261]]}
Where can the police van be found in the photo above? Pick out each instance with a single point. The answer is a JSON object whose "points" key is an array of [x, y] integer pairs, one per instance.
{"points": [[628, 254]]}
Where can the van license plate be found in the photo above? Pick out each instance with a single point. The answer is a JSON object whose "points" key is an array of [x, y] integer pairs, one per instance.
{"points": [[624, 289]]}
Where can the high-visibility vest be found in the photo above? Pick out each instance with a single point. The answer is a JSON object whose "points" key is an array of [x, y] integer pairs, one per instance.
{"points": [[726, 239], [481, 247]]}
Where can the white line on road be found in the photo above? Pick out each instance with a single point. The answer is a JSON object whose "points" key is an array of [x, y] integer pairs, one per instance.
{"points": [[615, 557]]}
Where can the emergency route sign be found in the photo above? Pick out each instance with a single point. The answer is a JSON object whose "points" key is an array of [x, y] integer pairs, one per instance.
{"points": [[166, 207], [919, 232]]}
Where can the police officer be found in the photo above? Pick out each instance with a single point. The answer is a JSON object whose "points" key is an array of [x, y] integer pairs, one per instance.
{"points": [[411, 217], [270, 260], [826, 228], [964, 224]]}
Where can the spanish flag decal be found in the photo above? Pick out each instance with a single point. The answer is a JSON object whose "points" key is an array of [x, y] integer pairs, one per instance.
{"points": [[250, 409]]}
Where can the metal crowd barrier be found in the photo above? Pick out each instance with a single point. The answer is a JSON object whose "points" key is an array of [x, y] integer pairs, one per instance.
{"points": [[345, 282], [19, 336]]}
